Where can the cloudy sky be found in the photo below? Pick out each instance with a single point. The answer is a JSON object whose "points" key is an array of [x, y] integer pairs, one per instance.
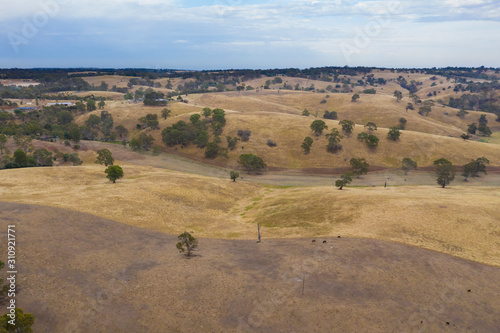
{"points": [[222, 34]]}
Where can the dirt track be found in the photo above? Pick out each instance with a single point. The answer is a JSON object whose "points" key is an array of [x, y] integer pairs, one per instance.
{"points": [[80, 273]]}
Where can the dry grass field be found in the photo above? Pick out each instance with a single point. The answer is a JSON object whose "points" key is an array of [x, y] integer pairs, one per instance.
{"points": [[461, 221], [81, 273]]}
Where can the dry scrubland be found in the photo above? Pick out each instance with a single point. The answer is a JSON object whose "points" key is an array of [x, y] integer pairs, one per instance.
{"points": [[459, 221]]}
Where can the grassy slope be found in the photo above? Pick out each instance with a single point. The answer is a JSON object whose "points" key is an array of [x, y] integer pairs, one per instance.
{"points": [[458, 221]]}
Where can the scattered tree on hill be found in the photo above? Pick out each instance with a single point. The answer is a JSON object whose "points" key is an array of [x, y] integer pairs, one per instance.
{"points": [[410, 107], [21, 322], [484, 130], [244, 135], [150, 120], [371, 127], [195, 119], [23, 142], [425, 109], [20, 158], [105, 157], [402, 123], [445, 171], [330, 115], [465, 136], [218, 120], [43, 157], [91, 105], [74, 132], [462, 113], [165, 113], [73, 158], [334, 141], [345, 179], [394, 133], [234, 175], [408, 164], [114, 172], [398, 95], [355, 98], [372, 141], [474, 167], [187, 243], [93, 121], [232, 142], [101, 105], [472, 128], [121, 131], [305, 113], [359, 166], [483, 120], [252, 162], [213, 150], [347, 126], [318, 126], [143, 142], [3, 143], [207, 112], [306, 144]]}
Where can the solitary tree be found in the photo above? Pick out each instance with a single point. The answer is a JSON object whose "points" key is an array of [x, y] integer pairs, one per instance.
{"points": [[410, 107], [234, 175], [445, 171], [394, 133], [105, 157], [318, 126], [345, 179], [355, 98], [371, 127], [465, 136], [306, 144], [398, 95], [347, 126], [187, 243], [359, 166], [408, 164], [165, 113], [114, 172]]}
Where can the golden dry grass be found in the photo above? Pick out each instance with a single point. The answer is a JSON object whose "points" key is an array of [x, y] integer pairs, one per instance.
{"points": [[146, 197], [462, 221]]}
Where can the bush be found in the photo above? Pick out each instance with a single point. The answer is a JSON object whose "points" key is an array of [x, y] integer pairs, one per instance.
{"points": [[330, 115], [270, 143], [66, 143], [76, 146], [244, 135]]}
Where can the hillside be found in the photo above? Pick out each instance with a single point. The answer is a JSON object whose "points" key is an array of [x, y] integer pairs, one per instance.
{"points": [[461, 221]]}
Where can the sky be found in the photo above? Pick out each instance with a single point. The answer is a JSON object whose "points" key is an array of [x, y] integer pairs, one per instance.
{"points": [[254, 34]]}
